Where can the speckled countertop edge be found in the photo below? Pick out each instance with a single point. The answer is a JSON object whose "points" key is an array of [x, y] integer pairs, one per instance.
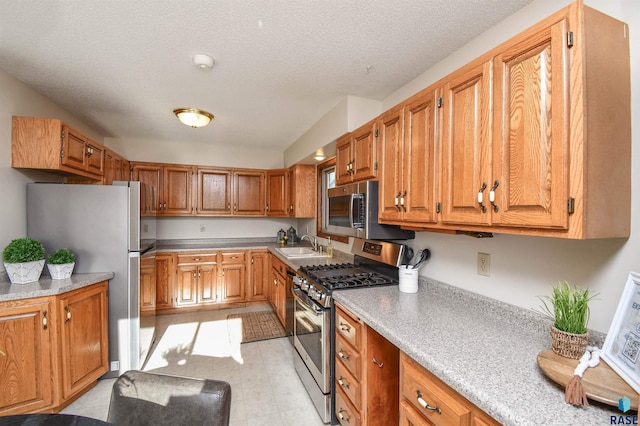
{"points": [[48, 287], [483, 348]]}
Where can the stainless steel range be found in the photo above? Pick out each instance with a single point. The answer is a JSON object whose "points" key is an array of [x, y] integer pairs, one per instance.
{"points": [[375, 263]]}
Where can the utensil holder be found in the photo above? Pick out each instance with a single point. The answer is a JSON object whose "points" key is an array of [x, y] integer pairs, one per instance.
{"points": [[408, 279]]}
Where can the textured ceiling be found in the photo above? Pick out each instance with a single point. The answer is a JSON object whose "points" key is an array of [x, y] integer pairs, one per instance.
{"points": [[123, 66]]}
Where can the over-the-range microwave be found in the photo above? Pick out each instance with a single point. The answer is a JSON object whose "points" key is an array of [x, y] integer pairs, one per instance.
{"points": [[353, 212]]}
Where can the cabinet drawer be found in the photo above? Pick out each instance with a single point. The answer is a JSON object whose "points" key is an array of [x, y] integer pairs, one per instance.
{"points": [[349, 384], [345, 412], [197, 258], [420, 387], [349, 357], [234, 257], [409, 416], [278, 265], [349, 328]]}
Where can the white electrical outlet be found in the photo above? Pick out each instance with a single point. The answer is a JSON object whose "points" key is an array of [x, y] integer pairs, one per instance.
{"points": [[203, 228], [484, 264], [115, 365]]}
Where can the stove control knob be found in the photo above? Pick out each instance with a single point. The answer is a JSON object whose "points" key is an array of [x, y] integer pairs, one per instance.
{"points": [[322, 296]]}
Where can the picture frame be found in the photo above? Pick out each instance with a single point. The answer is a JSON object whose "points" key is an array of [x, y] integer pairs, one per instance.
{"points": [[621, 349]]}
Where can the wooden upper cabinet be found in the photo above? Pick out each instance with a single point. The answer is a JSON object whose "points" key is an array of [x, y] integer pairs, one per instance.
{"points": [[390, 148], [116, 167], [51, 145], [303, 191], [249, 192], [531, 142], [177, 190], [173, 183], [466, 145], [356, 155], [213, 191], [277, 192]]}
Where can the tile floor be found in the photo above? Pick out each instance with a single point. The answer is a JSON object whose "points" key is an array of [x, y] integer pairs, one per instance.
{"points": [[264, 385]]}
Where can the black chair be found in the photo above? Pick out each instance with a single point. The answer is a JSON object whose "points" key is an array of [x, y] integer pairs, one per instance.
{"points": [[141, 398]]}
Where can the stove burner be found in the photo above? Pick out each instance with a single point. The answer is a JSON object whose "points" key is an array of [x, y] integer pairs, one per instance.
{"points": [[345, 275]]}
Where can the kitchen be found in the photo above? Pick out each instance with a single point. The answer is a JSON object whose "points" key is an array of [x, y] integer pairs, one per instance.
{"points": [[602, 265]]}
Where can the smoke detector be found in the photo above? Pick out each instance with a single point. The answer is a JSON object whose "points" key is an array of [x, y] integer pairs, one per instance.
{"points": [[204, 62]]}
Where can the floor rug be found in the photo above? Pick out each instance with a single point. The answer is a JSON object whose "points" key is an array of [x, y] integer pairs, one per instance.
{"points": [[256, 326]]}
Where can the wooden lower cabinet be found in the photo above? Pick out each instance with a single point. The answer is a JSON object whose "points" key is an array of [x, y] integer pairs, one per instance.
{"points": [[367, 389], [258, 276], [233, 277], [25, 356], [148, 285], [279, 294], [52, 349], [83, 337], [197, 279], [165, 271], [427, 400]]}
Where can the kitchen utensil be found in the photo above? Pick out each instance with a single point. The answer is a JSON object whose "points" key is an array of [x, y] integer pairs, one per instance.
{"points": [[424, 255], [407, 255]]}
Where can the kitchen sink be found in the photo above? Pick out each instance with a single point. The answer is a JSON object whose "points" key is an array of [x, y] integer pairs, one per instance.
{"points": [[298, 252]]}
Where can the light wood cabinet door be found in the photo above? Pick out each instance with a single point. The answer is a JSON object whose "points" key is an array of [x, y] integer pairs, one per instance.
{"points": [[207, 283], [177, 190], [277, 192], [419, 160], [94, 158], [303, 191], [83, 335], [249, 192], [26, 357], [213, 192], [187, 285], [232, 285], [164, 281], [531, 142], [466, 144], [148, 277], [390, 146], [151, 175], [74, 148], [258, 276], [343, 160], [363, 150]]}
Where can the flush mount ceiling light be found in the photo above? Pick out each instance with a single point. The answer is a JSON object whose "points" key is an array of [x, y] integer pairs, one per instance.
{"points": [[193, 117], [204, 62], [318, 156]]}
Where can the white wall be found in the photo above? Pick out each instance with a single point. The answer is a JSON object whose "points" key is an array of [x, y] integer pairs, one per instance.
{"points": [[522, 268], [19, 99]]}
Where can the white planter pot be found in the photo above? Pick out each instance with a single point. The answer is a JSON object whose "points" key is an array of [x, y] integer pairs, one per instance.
{"points": [[61, 272], [22, 273]]}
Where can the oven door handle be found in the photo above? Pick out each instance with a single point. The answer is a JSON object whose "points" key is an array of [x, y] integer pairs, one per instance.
{"points": [[303, 299]]}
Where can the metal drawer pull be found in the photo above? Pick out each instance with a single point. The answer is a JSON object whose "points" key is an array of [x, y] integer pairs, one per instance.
{"points": [[379, 364], [343, 355], [45, 324], [342, 383], [480, 197], [343, 417], [345, 327], [426, 405], [492, 196]]}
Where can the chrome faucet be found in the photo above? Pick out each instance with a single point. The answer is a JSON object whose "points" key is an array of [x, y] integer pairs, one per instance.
{"points": [[312, 240]]}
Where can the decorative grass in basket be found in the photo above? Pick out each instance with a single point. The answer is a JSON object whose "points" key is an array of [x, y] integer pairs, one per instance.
{"points": [[570, 313]]}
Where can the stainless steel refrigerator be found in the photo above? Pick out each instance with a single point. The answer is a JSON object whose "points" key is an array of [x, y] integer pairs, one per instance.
{"points": [[104, 227]]}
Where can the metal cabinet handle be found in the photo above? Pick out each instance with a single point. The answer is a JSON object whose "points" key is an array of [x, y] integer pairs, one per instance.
{"points": [[343, 417], [480, 197], [196, 259], [194, 274], [68, 314], [343, 383], [426, 405], [45, 323], [379, 364], [342, 355], [492, 196], [397, 203], [345, 327], [404, 194]]}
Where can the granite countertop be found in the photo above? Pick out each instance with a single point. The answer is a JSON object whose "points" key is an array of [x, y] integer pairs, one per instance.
{"points": [[484, 349], [251, 244], [48, 287]]}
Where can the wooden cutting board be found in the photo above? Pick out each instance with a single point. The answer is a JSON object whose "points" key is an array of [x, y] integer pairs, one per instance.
{"points": [[600, 383]]}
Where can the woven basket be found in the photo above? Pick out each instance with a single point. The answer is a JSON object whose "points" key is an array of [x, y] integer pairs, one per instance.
{"points": [[568, 345]]}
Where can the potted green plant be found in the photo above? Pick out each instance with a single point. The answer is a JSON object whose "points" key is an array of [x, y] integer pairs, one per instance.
{"points": [[568, 307], [23, 260], [61, 263]]}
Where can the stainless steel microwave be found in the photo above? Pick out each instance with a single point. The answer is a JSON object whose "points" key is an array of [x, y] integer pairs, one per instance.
{"points": [[353, 212]]}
